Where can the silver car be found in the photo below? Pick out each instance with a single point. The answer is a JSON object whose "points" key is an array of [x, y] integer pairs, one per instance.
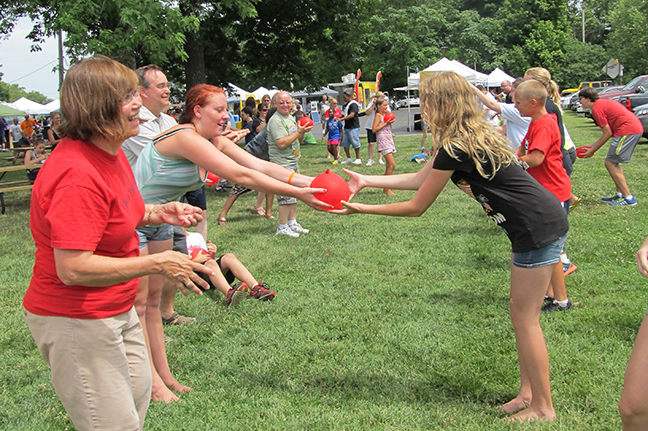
{"points": [[642, 114]]}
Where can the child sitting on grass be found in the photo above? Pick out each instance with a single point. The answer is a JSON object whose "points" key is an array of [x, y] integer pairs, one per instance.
{"points": [[227, 269], [540, 151]]}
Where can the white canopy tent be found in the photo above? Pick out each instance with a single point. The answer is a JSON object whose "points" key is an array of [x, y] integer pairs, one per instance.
{"points": [[445, 65], [471, 75], [234, 93], [262, 91], [497, 76], [30, 107], [54, 105]]}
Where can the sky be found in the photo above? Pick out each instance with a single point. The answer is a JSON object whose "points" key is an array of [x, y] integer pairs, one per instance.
{"points": [[20, 66]]}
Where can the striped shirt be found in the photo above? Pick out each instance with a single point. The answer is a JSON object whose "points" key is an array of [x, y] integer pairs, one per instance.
{"points": [[161, 179]]}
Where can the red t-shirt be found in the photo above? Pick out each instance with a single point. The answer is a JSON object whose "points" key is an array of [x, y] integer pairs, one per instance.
{"points": [[544, 135], [83, 199], [622, 121]]}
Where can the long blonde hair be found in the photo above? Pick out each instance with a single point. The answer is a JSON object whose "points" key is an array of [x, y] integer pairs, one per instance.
{"points": [[544, 76], [450, 110]]}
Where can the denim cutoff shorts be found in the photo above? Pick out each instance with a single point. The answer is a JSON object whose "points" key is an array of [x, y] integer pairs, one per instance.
{"points": [[544, 256]]}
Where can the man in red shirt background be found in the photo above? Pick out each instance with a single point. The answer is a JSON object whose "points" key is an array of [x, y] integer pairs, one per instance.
{"points": [[624, 128]]}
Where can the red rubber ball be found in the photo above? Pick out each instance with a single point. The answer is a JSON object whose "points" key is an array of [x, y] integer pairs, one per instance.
{"points": [[580, 152], [305, 122], [336, 187], [388, 117]]}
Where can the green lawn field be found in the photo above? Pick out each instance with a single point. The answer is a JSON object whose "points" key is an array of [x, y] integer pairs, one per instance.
{"points": [[379, 323]]}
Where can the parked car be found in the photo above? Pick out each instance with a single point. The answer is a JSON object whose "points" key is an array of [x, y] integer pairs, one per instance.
{"points": [[631, 101], [565, 99], [642, 114], [603, 90], [404, 103], [594, 84], [574, 104], [631, 88]]}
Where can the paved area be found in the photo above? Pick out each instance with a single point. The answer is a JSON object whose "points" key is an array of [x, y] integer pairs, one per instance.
{"points": [[399, 128]]}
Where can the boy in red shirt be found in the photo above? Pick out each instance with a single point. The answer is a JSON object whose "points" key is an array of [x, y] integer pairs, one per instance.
{"points": [[625, 129], [540, 154]]}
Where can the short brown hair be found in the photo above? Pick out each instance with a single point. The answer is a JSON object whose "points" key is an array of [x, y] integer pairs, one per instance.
{"points": [[532, 89], [589, 93], [91, 99], [142, 71]]}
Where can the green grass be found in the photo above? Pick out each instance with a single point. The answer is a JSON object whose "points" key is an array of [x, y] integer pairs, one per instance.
{"points": [[379, 323]]}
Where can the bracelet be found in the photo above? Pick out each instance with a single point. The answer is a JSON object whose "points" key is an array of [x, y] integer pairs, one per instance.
{"points": [[148, 218], [290, 177]]}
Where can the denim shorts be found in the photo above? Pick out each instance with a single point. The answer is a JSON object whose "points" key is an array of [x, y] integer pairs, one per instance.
{"points": [[544, 256], [351, 138], [154, 233]]}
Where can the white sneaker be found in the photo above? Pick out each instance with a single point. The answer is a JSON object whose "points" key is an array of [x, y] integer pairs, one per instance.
{"points": [[285, 230], [346, 161], [296, 227], [381, 161], [357, 162], [370, 162]]}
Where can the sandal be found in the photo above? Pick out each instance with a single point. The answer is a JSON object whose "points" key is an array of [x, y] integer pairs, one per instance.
{"points": [[575, 204], [177, 319], [222, 221], [259, 210]]}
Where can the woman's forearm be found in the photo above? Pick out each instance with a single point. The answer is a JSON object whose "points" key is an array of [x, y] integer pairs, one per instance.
{"points": [[83, 268]]}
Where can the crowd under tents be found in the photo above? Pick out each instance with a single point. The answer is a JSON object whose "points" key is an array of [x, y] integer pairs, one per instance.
{"points": [[25, 106]]}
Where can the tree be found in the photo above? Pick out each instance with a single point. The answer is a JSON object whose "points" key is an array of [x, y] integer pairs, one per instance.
{"points": [[533, 33], [13, 92], [131, 31], [628, 39]]}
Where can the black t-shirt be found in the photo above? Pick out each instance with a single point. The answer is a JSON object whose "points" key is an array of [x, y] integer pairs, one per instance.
{"points": [[352, 123], [530, 215]]}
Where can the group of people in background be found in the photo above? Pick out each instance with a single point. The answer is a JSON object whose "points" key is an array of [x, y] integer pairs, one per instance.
{"points": [[106, 275]]}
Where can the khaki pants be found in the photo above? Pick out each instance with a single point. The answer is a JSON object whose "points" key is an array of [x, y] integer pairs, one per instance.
{"points": [[99, 368]]}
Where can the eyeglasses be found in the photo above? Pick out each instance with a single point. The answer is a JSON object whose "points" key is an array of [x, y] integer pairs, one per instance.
{"points": [[129, 97]]}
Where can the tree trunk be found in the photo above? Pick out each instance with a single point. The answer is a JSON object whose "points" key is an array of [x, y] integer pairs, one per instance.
{"points": [[195, 65]]}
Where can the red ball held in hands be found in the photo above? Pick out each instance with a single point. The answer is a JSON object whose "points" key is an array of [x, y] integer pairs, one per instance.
{"points": [[212, 179], [389, 117], [580, 151], [336, 187], [305, 122]]}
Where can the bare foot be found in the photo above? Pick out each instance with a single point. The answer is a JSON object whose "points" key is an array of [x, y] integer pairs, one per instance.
{"points": [[529, 414], [269, 216], [516, 404], [222, 221], [163, 394], [389, 192], [178, 387]]}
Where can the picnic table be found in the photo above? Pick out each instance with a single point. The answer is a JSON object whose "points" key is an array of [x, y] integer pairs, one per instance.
{"points": [[18, 150], [13, 186]]}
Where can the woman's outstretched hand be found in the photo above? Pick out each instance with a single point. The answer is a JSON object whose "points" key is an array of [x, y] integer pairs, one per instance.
{"points": [[356, 182]]}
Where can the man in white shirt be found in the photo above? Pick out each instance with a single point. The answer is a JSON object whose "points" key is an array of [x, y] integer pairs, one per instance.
{"points": [[155, 99], [516, 125]]}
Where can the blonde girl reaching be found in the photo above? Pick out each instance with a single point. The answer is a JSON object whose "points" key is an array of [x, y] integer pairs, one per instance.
{"points": [[480, 162], [384, 138]]}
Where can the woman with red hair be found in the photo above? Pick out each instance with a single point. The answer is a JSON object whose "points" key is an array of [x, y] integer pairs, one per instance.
{"points": [[176, 162]]}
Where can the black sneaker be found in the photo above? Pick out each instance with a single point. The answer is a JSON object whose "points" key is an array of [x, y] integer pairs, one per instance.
{"points": [[550, 307], [547, 301]]}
